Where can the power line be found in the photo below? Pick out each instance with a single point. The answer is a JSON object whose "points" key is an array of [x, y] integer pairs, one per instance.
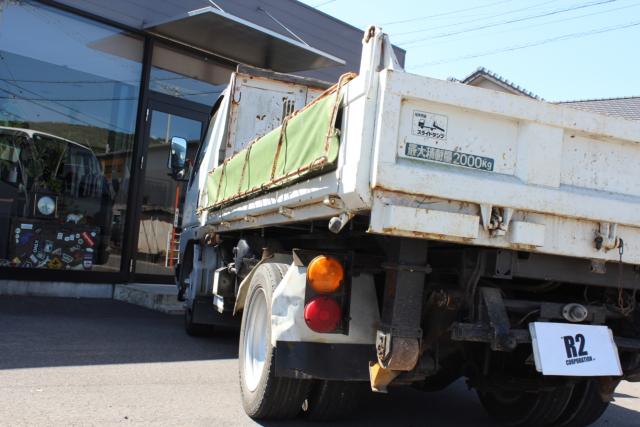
{"points": [[482, 18], [152, 79], [511, 21], [9, 113], [324, 3], [532, 44], [437, 15], [41, 98], [69, 99], [180, 95], [538, 25], [51, 109], [6, 65]]}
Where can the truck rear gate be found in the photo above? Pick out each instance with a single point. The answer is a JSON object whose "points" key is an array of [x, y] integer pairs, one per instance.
{"points": [[459, 163]]}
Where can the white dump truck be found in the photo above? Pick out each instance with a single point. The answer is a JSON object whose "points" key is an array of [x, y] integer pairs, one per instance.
{"points": [[395, 229]]}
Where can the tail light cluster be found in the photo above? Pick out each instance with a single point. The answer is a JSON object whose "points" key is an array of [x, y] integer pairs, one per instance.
{"points": [[326, 297]]}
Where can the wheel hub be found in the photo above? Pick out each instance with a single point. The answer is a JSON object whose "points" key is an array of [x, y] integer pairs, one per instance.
{"points": [[255, 339]]}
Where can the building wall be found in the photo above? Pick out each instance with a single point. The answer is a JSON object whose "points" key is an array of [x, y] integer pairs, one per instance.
{"points": [[318, 29]]}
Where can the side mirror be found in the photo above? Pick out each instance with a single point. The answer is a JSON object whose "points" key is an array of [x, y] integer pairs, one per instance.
{"points": [[177, 157]]}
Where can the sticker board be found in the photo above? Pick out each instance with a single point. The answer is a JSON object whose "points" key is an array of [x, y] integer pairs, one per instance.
{"points": [[47, 244]]}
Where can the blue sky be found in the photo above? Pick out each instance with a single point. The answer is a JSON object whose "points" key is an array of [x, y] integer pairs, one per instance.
{"points": [[559, 50]]}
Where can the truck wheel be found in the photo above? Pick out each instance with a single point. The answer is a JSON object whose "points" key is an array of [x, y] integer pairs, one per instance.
{"points": [[194, 329], [265, 396], [585, 406], [514, 408], [331, 400]]}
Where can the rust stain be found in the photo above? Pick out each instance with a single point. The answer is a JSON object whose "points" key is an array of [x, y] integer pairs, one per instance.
{"points": [[423, 235]]}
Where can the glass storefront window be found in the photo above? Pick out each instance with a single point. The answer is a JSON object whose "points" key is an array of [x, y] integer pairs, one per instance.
{"points": [[187, 76], [68, 101], [162, 197]]}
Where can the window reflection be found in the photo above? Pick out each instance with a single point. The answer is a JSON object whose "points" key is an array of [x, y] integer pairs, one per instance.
{"points": [[162, 197], [68, 100], [187, 76]]}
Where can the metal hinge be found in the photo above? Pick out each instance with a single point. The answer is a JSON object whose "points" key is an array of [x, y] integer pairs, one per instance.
{"points": [[141, 162], [146, 117], [495, 219], [288, 212], [607, 237], [131, 265]]}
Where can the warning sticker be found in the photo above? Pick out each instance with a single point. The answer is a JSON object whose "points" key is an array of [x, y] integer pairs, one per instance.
{"points": [[424, 152], [429, 125]]}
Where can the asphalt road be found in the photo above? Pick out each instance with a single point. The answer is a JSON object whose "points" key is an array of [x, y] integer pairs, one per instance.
{"points": [[102, 362]]}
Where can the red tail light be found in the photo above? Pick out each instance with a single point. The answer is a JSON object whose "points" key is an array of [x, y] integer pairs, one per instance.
{"points": [[322, 314]]}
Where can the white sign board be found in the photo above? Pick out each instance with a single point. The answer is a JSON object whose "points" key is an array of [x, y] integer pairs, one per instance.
{"points": [[574, 350]]}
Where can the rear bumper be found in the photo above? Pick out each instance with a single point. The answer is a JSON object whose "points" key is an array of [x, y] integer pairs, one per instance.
{"points": [[344, 362]]}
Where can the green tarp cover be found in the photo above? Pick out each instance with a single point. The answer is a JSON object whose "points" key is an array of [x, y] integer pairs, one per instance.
{"points": [[299, 147]]}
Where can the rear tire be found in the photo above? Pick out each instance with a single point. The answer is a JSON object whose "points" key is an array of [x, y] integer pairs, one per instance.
{"points": [[331, 400], [585, 406], [265, 396], [514, 408]]}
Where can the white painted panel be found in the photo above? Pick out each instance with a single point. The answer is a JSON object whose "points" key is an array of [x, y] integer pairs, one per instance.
{"points": [[259, 107], [287, 319], [539, 154], [526, 233], [465, 133], [417, 222], [532, 171], [562, 236], [607, 165]]}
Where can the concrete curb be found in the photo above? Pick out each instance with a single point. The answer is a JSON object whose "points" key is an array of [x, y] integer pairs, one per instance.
{"points": [[56, 289], [156, 297]]}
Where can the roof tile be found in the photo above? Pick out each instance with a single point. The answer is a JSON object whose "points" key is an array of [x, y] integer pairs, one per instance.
{"points": [[628, 108]]}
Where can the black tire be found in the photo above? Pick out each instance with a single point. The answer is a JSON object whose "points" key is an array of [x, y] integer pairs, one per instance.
{"points": [[585, 406], [332, 400], [194, 329], [273, 397], [514, 408]]}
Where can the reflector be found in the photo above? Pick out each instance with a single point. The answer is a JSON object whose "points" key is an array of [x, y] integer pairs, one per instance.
{"points": [[322, 314], [325, 274]]}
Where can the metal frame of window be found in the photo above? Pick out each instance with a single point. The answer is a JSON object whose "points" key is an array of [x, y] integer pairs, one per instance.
{"points": [[170, 105], [148, 99]]}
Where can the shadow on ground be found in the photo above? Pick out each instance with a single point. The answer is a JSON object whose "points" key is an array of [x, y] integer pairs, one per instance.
{"points": [[454, 406], [52, 332], [406, 407], [46, 332]]}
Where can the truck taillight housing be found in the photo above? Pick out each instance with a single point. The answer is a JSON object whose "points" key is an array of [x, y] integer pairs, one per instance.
{"points": [[326, 298]]}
